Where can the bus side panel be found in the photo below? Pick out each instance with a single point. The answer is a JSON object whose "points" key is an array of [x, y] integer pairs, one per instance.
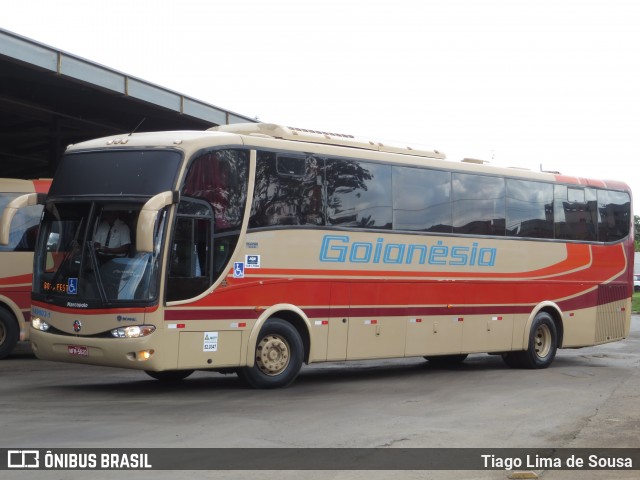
{"points": [[209, 349], [487, 333], [373, 333], [338, 322], [433, 335], [579, 327]]}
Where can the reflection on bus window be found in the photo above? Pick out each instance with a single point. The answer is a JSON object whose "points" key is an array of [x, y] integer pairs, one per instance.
{"points": [[24, 227]]}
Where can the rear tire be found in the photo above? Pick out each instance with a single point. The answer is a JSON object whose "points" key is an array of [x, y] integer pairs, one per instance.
{"points": [[169, 376], [543, 343], [278, 356], [9, 333]]}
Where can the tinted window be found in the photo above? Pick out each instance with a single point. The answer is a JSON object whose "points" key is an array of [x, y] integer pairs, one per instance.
{"points": [[288, 191], [529, 209], [216, 186], [574, 211], [421, 200], [116, 172], [220, 178], [358, 194], [614, 210], [478, 204]]}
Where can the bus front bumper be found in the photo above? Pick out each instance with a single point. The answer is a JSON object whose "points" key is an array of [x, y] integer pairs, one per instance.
{"points": [[135, 353]]}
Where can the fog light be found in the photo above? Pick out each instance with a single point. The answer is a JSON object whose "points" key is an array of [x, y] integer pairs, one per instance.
{"points": [[39, 324], [144, 355]]}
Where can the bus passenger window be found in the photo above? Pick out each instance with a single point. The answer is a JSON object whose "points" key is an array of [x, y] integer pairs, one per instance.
{"points": [[288, 191], [614, 215], [359, 194], [574, 213], [478, 204]]}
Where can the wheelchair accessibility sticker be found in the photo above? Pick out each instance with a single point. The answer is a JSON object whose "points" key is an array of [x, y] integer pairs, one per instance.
{"points": [[238, 270], [72, 286]]}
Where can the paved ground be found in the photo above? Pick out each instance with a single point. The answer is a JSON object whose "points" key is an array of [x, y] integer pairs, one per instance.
{"points": [[588, 398]]}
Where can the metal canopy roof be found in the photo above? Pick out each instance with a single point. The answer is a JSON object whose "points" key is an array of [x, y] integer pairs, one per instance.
{"points": [[50, 98]]}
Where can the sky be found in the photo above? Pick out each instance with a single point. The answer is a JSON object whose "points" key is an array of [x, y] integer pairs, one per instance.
{"points": [[538, 84]]}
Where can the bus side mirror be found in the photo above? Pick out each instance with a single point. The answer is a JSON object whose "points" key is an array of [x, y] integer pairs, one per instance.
{"points": [[147, 219], [23, 201]]}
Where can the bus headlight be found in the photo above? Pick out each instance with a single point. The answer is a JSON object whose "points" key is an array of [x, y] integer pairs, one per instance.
{"points": [[39, 324], [134, 331]]}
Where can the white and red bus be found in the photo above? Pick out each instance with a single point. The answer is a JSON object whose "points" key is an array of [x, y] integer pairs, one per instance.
{"points": [[257, 248], [16, 260]]}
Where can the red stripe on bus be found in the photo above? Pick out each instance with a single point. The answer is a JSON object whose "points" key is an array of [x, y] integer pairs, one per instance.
{"points": [[17, 279]]}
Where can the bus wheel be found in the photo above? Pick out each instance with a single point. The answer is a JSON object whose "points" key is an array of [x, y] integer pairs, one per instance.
{"points": [[9, 333], [278, 356], [447, 359], [543, 343], [169, 375]]}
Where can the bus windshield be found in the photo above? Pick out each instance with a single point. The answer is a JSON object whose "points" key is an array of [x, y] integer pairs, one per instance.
{"points": [[87, 251]]}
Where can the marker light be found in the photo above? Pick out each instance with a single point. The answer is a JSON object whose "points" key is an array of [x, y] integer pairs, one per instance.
{"points": [[134, 331], [39, 324]]}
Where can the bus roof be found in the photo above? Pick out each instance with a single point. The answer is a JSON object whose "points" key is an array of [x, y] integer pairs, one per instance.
{"points": [[263, 134], [328, 138]]}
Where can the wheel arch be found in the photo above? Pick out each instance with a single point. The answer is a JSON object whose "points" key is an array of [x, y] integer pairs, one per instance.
{"points": [[555, 312], [289, 313]]}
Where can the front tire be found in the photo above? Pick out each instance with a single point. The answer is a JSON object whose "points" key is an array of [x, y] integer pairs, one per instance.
{"points": [[9, 333], [278, 356]]}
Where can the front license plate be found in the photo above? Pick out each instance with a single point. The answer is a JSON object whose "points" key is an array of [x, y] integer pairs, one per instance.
{"points": [[78, 350]]}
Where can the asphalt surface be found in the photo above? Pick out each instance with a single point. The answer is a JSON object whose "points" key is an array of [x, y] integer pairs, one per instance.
{"points": [[589, 398]]}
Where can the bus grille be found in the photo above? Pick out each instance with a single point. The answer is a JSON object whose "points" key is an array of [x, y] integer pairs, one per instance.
{"points": [[611, 315]]}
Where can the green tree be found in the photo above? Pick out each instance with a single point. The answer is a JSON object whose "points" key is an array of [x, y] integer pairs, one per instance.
{"points": [[636, 231]]}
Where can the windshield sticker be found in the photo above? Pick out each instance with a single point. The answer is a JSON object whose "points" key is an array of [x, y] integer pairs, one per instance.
{"points": [[72, 286], [252, 261], [210, 342]]}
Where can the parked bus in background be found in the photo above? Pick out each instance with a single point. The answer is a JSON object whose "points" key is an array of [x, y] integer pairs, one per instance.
{"points": [[16, 261], [256, 248]]}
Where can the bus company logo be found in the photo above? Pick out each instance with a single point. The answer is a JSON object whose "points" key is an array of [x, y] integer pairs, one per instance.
{"points": [[23, 459], [122, 318], [340, 249], [77, 326]]}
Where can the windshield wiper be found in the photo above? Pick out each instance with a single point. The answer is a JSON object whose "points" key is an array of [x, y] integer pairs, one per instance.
{"points": [[95, 264]]}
